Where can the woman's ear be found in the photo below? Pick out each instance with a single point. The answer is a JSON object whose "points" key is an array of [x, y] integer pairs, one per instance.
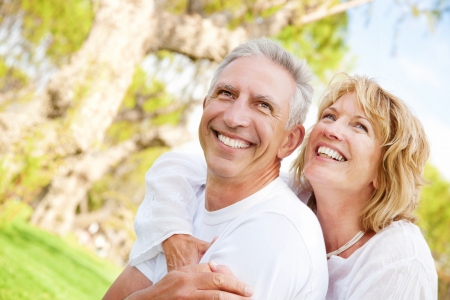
{"points": [[375, 182], [292, 140]]}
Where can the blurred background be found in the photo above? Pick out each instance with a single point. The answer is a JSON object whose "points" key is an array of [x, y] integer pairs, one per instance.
{"points": [[93, 91]]}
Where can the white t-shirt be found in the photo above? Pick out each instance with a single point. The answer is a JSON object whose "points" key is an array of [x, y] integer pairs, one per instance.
{"points": [[394, 264], [382, 269], [269, 240]]}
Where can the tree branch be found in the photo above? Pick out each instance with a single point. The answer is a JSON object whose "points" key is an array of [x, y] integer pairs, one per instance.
{"points": [[201, 38], [323, 12]]}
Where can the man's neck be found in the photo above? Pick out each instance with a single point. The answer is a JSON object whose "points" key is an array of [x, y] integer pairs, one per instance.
{"points": [[223, 192]]}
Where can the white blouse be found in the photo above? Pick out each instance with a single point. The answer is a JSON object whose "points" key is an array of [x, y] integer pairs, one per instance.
{"points": [[394, 264]]}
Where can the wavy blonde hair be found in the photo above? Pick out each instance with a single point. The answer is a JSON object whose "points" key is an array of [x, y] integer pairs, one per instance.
{"points": [[405, 150]]}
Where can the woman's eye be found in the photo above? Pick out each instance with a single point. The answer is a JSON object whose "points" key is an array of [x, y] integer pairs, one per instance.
{"points": [[329, 116], [361, 126]]}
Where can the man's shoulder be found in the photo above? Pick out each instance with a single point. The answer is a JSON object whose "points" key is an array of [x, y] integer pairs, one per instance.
{"points": [[281, 200], [279, 234], [281, 208]]}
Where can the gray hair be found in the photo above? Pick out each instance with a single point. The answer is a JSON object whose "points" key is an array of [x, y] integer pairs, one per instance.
{"points": [[299, 70]]}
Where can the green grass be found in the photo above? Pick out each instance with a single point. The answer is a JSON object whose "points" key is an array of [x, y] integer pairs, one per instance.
{"points": [[35, 264]]}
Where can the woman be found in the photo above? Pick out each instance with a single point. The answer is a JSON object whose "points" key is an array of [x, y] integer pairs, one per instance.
{"points": [[362, 163]]}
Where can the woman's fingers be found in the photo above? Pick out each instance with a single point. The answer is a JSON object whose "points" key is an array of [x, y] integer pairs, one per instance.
{"points": [[183, 250], [202, 246]]}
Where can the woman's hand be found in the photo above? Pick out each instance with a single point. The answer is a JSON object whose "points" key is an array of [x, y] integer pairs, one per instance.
{"points": [[183, 250], [203, 281]]}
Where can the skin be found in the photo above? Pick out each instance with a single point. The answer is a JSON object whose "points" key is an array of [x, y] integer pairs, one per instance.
{"points": [[200, 281], [345, 128], [184, 250], [249, 104]]}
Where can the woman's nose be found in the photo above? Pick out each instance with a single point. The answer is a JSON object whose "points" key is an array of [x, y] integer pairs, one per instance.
{"points": [[237, 114], [333, 131]]}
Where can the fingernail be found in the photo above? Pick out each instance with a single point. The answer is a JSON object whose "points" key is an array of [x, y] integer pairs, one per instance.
{"points": [[212, 264], [248, 290]]}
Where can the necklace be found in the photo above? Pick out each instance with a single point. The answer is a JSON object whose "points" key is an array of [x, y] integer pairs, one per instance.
{"points": [[350, 243]]}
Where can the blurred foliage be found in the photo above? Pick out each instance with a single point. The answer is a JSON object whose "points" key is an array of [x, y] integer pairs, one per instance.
{"points": [[11, 78], [149, 100], [39, 36], [38, 265], [434, 221], [322, 44], [58, 26], [126, 182], [49, 32], [23, 176], [432, 10]]}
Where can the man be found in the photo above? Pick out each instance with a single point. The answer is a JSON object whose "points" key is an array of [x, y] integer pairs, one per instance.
{"points": [[251, 120]]}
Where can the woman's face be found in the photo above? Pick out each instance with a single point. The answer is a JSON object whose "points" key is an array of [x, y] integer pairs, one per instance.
{"points": [[343, 151]]}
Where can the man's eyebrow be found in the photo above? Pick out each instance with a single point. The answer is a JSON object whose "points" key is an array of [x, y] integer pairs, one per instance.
{"points": [[226, 86]]}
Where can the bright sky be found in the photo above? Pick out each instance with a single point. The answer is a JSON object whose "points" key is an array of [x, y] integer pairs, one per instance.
{"points": [[415, 66]]}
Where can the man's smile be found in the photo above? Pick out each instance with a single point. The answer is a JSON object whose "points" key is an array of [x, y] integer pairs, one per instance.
{"points": [[230, 142]]}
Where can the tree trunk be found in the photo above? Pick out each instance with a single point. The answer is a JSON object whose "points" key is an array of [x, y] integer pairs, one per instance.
{"points": [[93, 85], [69, 187], [86, 94]]}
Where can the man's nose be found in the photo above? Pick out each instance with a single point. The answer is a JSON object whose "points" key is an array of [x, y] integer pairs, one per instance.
{"points": [[237, 114]]}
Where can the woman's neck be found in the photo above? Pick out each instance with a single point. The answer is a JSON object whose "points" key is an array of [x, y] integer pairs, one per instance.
{"points": [[338, 212]]}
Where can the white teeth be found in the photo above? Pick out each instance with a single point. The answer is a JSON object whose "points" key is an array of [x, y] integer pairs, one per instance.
{"points": [[232, 143], [330, 153]]}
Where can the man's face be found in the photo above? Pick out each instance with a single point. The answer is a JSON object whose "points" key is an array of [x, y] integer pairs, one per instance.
{"points": [[243, 124]]}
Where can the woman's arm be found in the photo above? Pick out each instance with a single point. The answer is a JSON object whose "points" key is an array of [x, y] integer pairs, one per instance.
{"points": [[172, 187], [164, 219]]}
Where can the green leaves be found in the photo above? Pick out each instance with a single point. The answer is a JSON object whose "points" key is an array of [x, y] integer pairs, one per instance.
{"points": [[321, 43], [65, 24], [434, 212], [434, 220]]}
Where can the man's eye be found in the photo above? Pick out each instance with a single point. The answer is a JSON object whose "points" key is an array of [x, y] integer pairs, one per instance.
{"points": [[265, 105], [225, 93]]}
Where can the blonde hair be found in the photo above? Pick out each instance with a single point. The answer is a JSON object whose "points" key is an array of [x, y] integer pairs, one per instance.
{"points": [[405, 150]]}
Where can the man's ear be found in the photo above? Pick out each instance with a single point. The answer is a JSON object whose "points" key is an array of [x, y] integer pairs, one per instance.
{"points": [[294, 138], [204, 103]]}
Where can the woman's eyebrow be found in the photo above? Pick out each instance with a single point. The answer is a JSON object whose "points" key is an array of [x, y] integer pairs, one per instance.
{"points": [[356, 116]]}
